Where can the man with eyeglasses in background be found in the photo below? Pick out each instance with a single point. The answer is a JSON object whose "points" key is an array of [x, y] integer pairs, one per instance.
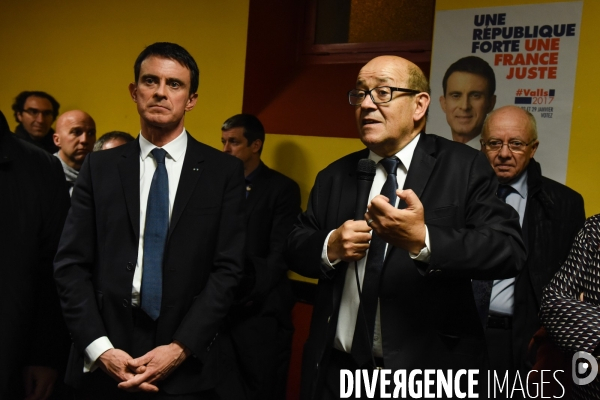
{"points": [[36, 112], [550, 214], [442, 227]]}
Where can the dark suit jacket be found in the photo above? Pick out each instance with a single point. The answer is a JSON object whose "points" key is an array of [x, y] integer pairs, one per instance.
{"points": [[203, 258], [553, 216], [428, 314], [261, 324], [272, 206], [33, 206]]}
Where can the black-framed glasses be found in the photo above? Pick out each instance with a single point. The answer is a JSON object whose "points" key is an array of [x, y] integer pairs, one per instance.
{"points": [[34, 112], [516, 146], [381, 94]]}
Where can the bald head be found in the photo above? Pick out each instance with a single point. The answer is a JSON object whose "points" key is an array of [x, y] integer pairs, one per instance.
{"points": [[520, 117], [514, 131], [75, 137], [386, 127]]}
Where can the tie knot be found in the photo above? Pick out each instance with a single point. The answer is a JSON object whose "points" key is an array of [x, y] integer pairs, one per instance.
{"points": [[390, 164], [159, 155], [504, 191]]}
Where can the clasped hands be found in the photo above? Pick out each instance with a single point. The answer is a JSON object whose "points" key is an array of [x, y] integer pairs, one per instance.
{"points": [[401, 228], [141, 374]]}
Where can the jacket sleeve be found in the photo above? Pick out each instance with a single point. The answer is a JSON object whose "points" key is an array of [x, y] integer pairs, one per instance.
{"points": [[487, 244], [305, 242], [572, 323], [74, 262]]}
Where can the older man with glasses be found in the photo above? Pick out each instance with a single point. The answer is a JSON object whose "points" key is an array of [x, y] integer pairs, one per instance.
{"points": [[36, 112], [432, 224], [550, 214]]}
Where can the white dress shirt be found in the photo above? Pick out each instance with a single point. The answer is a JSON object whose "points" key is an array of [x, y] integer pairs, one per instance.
{"points": [[174, 164], [502, 298], [350, 299]]}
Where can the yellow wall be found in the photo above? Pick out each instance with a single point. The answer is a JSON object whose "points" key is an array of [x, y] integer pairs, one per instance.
{"points": [[82, 52], [583, 169]]}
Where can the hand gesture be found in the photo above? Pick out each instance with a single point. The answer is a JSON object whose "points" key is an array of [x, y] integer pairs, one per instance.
{"points": [[349, 242], [401, 228]]}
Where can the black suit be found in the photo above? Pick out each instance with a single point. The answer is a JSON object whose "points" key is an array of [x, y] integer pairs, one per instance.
{"points": [[202, 265], [553, 216], [428, 314], [34, 203], [261, 324]]}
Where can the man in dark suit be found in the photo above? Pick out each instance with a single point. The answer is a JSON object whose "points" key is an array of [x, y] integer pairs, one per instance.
{"points": [[551, 214], [417, 309], [152, 248], [261, 321], [33, 206]]}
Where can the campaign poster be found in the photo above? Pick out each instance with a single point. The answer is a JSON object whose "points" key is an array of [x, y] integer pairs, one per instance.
{"points": [[532, 50]]}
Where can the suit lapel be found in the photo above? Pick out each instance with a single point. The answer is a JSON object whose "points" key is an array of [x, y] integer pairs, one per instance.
{"points": [[259, 185], [129, 171], [421, 166], [190, 172]]}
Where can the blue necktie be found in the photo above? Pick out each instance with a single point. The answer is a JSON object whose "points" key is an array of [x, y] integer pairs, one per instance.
{"points": [[155, 236], [362, 343]]}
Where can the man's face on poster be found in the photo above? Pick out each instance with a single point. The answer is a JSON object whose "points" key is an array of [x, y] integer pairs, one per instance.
{"points": [[466, 103]]}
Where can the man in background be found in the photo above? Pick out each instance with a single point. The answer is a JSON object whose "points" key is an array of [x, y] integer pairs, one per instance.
{"points": [[261, 322], [34, 340], [550, 215], [112, 139], [469, 86], [75, 137], [36, 112]]}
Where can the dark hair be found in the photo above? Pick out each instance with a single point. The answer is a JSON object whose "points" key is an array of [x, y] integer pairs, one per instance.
{"points": [[107, 137], [472, 65], [174, 52], [253, 128], [19, 104]]}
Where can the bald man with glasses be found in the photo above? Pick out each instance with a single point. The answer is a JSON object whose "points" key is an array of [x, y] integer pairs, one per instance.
{"points": [[550, 214]]}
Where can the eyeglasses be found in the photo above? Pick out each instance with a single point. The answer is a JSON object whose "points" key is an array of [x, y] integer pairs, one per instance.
{"points": [[381, 94], [34, 112], [516, 146]]}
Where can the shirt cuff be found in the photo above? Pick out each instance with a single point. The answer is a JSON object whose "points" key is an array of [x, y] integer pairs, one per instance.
{"points": [[328, 265], [425, 253], [94, 351]]}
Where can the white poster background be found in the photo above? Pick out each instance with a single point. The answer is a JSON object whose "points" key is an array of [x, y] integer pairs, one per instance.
{"points": [[454, 39]]}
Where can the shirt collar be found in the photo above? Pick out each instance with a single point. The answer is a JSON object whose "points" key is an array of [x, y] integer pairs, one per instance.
{"points": [[405, 154], [175, 148], [520, 185]]}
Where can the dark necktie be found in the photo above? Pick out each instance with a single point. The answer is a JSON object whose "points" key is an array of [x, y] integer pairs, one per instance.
{"points": [[504, 191], [482, 290], [362, 344], [155, 236]]}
